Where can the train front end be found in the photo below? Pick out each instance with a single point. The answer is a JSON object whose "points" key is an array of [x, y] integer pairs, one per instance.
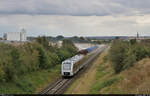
{"points": [[66, 69]]}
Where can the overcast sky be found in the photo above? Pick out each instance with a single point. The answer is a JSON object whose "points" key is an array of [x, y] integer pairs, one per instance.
{"points": [[76, 17]]}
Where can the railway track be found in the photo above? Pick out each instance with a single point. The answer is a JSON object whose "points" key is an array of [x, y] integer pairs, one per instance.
{"points": [[60, 86]]}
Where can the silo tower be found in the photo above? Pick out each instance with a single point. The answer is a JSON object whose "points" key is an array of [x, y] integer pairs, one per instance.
{"points": [[137, 35], [23, 35]]}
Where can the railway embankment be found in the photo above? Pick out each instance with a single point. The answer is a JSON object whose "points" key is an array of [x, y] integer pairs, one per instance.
{"points": [[102, 79], [134, 80]]}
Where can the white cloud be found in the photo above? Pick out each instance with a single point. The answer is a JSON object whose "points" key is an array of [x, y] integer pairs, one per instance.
{"points": [[77, 25]]}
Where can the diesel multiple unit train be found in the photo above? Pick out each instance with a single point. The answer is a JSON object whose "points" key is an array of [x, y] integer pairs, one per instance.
{"points": [[72, 65]]}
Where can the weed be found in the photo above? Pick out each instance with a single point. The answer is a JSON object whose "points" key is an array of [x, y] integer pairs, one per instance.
{"points": [[100, 85]]}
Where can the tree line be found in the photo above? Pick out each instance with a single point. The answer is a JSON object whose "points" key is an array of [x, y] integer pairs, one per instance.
{"points": [[16, 61], [124, 54]]}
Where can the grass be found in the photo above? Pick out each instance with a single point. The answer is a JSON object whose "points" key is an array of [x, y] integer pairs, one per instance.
{"points": [[30, 83], [137, 78], [134, 80], [100, 85], [105, 77]]}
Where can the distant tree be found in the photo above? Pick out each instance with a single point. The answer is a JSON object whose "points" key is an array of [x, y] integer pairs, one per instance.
{"points": [[46, 44], [49, 38], [60, 37], [117, 37], [68, 44], [98, 42], [75, 37], [82, 38], [88, 39], [133, 41], [43, 41]]}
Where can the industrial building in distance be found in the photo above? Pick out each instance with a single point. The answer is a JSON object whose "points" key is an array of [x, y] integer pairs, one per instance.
{"points": [[16, 36]]}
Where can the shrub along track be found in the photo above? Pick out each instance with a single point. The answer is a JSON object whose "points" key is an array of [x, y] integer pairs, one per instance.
{"points": [[60, 86]]}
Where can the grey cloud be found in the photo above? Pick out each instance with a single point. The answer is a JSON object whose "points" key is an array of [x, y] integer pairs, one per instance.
{"points": [[75, 7]]}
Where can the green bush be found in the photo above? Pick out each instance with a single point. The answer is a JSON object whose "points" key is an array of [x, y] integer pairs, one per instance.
{"points": [[124, 54], [141, 51], [105, 59], [30, 57], [54, 59], [2, 72], [117, 55], [130, 59], [18, 60], [45, 63], [133, 41], [69, 46], [63, 54], [100, 85]]}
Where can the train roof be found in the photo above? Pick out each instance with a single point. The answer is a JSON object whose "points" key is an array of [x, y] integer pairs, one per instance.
{"points": [[74, 59]]}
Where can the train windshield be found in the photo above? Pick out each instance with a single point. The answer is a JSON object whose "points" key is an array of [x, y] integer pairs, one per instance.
{"points": [[67, 66]]}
